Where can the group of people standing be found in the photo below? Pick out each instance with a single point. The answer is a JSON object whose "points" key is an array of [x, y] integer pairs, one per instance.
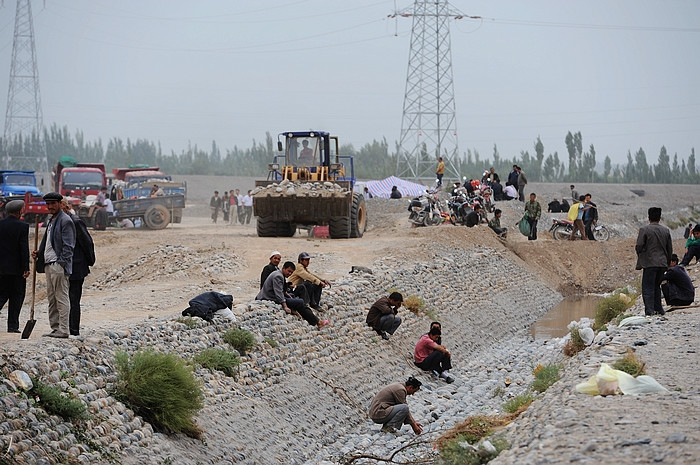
{"points": [[234, 206], [65, 256]]}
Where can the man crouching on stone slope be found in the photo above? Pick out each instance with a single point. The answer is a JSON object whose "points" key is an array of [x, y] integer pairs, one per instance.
{"points": [[383, 315], [389, 407], [273, 289]]}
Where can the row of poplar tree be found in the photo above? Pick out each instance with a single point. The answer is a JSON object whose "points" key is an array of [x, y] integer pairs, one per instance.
{"points": [[372, 161]]}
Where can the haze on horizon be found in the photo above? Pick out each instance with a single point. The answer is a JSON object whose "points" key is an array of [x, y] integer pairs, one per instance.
{"points": [[177, 72]]}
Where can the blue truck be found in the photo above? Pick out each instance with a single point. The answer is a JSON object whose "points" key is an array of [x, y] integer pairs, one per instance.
{"points": [[14, 184]]}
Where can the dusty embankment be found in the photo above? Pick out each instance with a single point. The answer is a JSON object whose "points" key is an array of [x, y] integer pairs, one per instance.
{"points": [[290, 400]]}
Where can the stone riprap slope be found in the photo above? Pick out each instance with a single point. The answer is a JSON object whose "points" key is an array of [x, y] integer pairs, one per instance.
{"points": [[289, 401]]}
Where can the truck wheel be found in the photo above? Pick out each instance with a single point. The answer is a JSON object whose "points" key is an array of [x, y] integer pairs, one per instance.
{"points": [[266, 227], [358, 216], [339, 227], [156, 217]]}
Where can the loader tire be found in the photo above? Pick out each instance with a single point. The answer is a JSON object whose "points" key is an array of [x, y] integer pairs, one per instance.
{"points": [[339, 227], [358, 216], [266, 227]]}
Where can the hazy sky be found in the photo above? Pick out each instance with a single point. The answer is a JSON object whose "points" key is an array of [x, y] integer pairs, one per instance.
{"points": [[624, 73]]}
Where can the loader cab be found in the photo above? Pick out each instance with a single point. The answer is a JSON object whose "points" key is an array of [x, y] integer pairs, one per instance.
{"points": [[308, 156]]}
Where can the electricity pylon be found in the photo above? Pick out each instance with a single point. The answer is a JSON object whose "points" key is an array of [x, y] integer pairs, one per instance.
{"points": [[429, 127], [24, 118]]}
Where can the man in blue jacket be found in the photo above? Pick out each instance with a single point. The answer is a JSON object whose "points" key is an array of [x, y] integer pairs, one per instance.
{"points": [[55, 258]]}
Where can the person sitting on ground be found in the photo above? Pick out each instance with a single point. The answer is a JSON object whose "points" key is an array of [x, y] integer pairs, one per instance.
{"points": [[474, 217], [273, 289], [302, 278], [554, 206], [692, 247], [564, 205], [495, 224], [126, 223], [395, 193], [510, 192], [389, 407], [383, 315], [209, 304], [275, 259], [431, 356], [677, 286], [101, 217]]}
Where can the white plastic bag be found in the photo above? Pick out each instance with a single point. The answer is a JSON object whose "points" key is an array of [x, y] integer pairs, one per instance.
{"points": [[609, 381]]}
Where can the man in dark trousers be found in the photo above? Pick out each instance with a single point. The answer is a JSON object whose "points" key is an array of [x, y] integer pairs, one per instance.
{"points": [[55, 258], [14, 262], [654, 250], [83, 259]]}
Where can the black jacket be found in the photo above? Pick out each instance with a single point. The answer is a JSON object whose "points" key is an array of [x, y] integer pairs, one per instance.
{"points": [[14, 246], [204, 305], [84, 251]]}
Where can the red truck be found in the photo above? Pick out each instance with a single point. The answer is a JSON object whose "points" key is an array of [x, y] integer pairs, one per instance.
{"points": [[80, 180]]}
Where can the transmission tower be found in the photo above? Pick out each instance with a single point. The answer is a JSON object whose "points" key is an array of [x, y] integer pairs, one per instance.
{"points": [[24, 117], [428, 127]]}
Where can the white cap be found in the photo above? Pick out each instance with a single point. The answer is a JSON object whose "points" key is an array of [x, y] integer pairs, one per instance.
{"points": [[276, 252]]}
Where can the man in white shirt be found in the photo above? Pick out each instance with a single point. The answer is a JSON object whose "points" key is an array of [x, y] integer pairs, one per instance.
{"points": [[247, 202]]}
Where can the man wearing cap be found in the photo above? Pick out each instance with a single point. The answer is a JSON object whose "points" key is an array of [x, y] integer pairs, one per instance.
{"points": [[275, 259], [14, 262], [389, 407], [274, 289], [313, 284], [383, 315], [55, 258]]}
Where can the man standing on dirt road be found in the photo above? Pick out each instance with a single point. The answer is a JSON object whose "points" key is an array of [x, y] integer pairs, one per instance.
{"points": [[215, 206], [654, 251], [83, 259], [440, 172], [534, 211], [14, 262], [389, 407], [55, 258]]}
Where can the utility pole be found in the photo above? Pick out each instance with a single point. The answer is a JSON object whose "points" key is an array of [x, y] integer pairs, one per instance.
{"points": [[24, 119], [429, 127]]}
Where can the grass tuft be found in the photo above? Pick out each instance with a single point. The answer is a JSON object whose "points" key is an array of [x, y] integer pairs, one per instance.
{"points": [[545, 376], [575, 344], [56, 402], [161, 388], [630, 364], [240, 339], [414, 303], [218, 359], [609, 308], [454, 453], [518, 403], [271, 342]]}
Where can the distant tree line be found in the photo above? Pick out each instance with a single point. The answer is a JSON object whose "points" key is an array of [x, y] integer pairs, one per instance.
{"points": [[372, 161]]}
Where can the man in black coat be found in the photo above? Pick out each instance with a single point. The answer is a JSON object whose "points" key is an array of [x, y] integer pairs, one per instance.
{"points": [[83, 259], [14, 262]]}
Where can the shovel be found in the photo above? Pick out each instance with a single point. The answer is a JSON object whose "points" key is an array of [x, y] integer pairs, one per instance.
{"points": [[32, 322]]}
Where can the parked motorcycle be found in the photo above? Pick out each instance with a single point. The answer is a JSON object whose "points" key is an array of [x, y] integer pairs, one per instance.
{"points": [[425, 210], [561, 230]]}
